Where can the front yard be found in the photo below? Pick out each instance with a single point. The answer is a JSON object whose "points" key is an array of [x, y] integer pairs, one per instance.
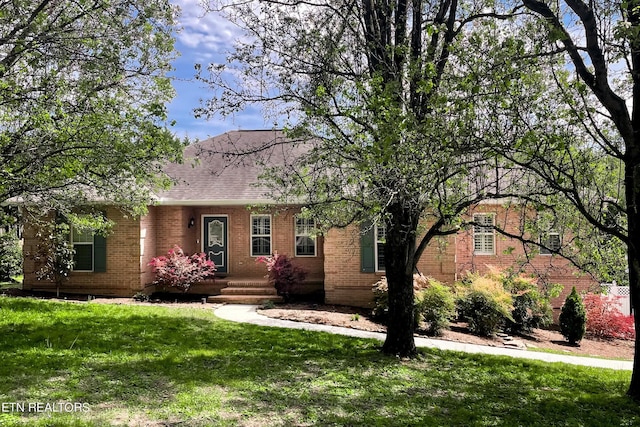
{"points": [[102, 364]]}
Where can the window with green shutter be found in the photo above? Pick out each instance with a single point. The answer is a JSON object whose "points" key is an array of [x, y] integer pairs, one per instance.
{"points": [[90, 251]]}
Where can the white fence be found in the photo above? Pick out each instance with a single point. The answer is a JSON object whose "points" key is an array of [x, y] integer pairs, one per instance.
{"points": [[620, 291]]}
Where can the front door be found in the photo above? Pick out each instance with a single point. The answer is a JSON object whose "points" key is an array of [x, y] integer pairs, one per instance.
{"points": [[215, 241]]}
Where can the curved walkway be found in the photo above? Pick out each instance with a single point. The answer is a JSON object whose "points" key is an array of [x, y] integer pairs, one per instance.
{"points": [[248, 314]]}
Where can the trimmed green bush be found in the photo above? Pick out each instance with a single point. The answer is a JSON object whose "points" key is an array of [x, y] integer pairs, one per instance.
{"points": [[435, 306], [484, 304], [531, 309], [573, 318]]}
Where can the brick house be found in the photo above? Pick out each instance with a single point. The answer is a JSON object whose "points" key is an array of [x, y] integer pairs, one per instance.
{"points": [[221, 211]]}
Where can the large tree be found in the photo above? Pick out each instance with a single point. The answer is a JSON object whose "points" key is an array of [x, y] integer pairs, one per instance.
{"points": [[381, 89], [582, 132], [83, 88]]}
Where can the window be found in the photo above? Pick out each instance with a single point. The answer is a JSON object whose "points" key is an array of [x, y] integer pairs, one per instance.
{"points": [[82, 242], [260, 235], [551, 241], [305, 242], [483, 234], [380, 239]]}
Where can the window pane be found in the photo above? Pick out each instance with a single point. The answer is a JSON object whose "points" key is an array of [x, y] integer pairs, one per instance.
{"points": [[83, 257], [261, 225], [483, 234], [260, 246], [304, 226], [552, 242], [380, 260], [381, 237], [82, 236], [305, 246]]}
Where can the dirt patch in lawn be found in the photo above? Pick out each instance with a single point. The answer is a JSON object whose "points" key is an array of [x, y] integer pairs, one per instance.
{"points": [[541, 338]]}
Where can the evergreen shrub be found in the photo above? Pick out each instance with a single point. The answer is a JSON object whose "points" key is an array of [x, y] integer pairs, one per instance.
{"points": [[573, 318]]}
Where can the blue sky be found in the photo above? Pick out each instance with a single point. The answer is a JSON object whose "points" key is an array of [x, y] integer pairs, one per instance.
{"points": [[203, 39]]}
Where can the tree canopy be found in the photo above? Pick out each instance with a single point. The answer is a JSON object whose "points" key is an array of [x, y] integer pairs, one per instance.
{"points": [[83, 88], [385, 91]]}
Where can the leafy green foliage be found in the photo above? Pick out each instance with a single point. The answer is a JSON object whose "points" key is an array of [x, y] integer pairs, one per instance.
{"points": [[434, 303], [383, 128], [573, 318], [84, 86], [502, 299], [53, 256], [531, 308], [484, 304], [435, 306], [10, 257]]}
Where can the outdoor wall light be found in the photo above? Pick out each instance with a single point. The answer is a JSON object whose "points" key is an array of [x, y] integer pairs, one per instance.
{"points": [[192, 222]]}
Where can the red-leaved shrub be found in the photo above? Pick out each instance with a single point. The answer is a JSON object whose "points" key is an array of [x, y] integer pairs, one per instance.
{"points": [[283, 273], [604, 318], [181, 271]]}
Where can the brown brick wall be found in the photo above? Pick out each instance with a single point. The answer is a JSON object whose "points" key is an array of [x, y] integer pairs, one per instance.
{"points": [[510, 253], [122, 277], [344, 282], [171, 223]]}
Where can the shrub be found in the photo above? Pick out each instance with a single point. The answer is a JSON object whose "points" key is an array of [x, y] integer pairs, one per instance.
{"points": [[10, 257], [380, 290], [284, 274], [531, 309], [179, 270], [380, 300], [435, 305], [573, 318], [484, 304], [604, 318]]}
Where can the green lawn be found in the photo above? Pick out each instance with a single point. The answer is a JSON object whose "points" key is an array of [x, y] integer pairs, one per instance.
{"points": [[136, 365]]}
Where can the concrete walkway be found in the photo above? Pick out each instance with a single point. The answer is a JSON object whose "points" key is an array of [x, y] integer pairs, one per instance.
{"points": [[248, 314]]}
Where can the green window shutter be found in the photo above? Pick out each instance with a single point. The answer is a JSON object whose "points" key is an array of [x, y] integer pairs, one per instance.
{"points": [[367, 248], [99, 254]]}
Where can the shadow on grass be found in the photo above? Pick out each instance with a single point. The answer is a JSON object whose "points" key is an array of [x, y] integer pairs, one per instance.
{"points": [[148, 359]]}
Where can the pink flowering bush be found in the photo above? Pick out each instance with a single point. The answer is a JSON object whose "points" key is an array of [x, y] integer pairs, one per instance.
{"points": [[604, 318], [179, 270], [283, 273]]}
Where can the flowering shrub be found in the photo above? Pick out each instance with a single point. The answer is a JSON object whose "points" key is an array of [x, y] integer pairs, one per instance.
{"points": [[604, 318], [181, 271], [283, 273]]}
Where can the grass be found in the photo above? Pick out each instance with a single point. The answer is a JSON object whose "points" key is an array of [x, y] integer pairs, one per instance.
{"points": [[153, 366]]}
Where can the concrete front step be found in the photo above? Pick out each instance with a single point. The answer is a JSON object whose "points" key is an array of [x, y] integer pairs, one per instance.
{"points": [[248, 283], [232, 290], [244, 299]]}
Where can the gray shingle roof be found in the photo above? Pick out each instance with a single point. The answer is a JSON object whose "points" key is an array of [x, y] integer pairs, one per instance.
{"points": [[212, 173]]}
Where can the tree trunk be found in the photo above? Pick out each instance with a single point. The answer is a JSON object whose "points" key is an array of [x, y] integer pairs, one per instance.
{"points": [[399, 256], [632, 190]]}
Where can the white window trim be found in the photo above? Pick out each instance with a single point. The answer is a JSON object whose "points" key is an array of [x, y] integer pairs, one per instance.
{"points": [[296, 235], [84, 243], [484, 234], [546, 236], [376, 242], [260, 235]]}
